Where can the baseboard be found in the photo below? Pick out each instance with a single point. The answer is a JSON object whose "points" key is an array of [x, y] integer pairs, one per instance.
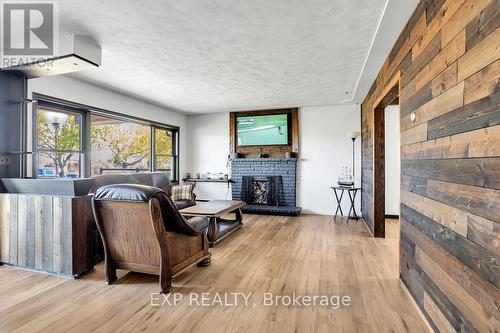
{"points": [[417, 308], [309, 211], [396, 217]]}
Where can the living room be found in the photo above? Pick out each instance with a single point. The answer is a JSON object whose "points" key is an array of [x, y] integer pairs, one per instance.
{"points": [[250, 166]]}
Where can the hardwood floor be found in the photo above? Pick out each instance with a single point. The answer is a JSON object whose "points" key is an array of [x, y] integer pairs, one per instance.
{"points": [[308, 255]]}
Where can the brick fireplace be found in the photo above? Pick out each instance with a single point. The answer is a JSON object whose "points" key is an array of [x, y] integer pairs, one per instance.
{"points": [[260, 169]]}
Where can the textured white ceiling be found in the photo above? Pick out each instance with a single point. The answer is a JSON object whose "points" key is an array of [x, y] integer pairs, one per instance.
{"points": [[208, 56]]}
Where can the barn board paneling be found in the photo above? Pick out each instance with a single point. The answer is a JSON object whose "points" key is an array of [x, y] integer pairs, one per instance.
{"points": [[447, 61], [46, 233]]}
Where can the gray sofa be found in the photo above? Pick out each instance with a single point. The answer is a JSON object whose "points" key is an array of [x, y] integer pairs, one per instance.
{"points": [[155, 179]]}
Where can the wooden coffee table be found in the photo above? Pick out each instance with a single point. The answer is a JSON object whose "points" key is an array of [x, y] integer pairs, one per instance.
{"points": [[214, 209]]}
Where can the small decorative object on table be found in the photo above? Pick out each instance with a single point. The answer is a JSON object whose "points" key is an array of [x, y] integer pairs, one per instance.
{"points": [[345, 177]]}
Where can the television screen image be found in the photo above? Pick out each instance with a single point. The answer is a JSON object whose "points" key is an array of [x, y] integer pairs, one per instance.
{"points": [[264, 130]]}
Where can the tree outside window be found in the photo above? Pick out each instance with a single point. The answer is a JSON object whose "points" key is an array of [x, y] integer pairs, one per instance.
{"points": [[116, 145], [58, 144], [164, 154]]}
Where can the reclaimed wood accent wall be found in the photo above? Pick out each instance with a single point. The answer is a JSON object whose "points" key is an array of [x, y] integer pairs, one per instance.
{"points": [[46, 233], [447, 60]]}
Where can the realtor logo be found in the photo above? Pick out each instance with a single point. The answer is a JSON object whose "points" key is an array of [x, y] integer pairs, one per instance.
{"points": [[29, 30]]}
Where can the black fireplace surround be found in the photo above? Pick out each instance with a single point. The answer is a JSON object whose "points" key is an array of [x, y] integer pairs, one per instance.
{"points": [[280, 175], [269, 191]]}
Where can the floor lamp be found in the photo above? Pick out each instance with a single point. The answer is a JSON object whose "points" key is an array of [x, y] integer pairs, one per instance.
{"points": [[55, 120], [353, 136]]}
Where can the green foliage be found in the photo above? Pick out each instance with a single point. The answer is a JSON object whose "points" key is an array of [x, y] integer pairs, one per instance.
{"points": [[163, 143], [68, 138], [68, 135], [128, 145]]}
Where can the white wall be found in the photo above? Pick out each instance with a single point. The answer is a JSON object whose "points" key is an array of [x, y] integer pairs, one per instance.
{"points": [[392, 160], [80, 92], [208, 142], [204, 145], [324, 147]]}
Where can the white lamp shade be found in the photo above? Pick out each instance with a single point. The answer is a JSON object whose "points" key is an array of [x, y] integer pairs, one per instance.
{"points": [[56, 118], [353, 135]]}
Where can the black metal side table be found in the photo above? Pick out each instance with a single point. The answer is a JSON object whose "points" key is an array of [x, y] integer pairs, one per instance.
{"points": [[352, 192]]}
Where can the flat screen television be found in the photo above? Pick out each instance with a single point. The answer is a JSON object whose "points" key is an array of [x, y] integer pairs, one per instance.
{"points": [[263, 130]]}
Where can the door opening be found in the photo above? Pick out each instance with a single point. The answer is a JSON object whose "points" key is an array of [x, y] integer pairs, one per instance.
{"points": [[392, 161], [379, 160]]}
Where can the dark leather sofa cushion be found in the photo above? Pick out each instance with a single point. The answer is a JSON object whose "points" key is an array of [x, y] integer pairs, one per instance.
{"points": [[173, 220], [142, 178], [162, 181], [156, 179], [119, 178], [126, 192]]}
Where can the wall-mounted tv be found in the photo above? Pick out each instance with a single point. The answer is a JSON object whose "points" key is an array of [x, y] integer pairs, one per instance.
{"points": [[263, 130]]}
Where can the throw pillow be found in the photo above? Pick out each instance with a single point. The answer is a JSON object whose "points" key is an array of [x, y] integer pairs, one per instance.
{"points": [[182, 192]]}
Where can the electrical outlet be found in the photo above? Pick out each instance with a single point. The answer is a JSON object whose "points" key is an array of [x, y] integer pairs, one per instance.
{"points": [[4, 160]]}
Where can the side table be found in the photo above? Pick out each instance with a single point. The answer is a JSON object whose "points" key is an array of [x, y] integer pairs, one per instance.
{"points": [[352, 192]]}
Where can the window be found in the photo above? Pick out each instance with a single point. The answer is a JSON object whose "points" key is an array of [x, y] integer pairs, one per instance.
{"points": [[58, 151], [118, 146], [73, 141], [165, 151]]}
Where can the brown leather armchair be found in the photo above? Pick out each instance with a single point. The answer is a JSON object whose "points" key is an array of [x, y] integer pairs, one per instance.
{"points": [[143, 231]]}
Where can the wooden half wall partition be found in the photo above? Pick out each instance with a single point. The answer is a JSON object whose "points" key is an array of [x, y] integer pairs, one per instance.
{"points": [[447, 63], [52, 234]]}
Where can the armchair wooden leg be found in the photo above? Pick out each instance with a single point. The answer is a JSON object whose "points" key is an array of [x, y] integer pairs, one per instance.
{"points": [[165, 275], [205, 262], [165, 284], [110, 272]]}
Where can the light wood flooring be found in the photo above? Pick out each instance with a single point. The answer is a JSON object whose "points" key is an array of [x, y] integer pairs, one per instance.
{"points": [[308, 255]]}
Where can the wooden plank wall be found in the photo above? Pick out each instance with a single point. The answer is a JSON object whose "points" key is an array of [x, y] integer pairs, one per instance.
{"points": [[447, 58], [45, 233]]}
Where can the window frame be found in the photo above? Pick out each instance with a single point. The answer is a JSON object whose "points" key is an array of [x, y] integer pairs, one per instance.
{"points": [[175, 151], [124, 120], [39, 106], [44, 101]]}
